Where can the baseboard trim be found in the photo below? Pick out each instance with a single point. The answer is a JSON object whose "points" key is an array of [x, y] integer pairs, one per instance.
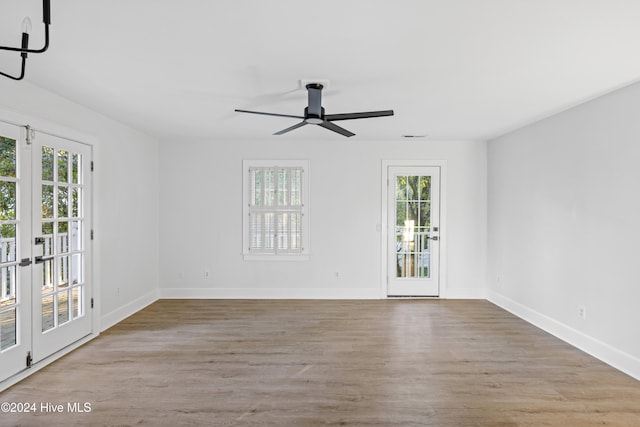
{"points": [[121, 313], [268, 293], [612, 356], [465, 293], [305, 293]]}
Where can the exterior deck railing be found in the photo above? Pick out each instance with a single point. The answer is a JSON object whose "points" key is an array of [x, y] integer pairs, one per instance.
{"points": [[9, 261]]}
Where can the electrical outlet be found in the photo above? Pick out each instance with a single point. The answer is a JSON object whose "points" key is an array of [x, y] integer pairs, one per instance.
{"points": [[582, 312], [337, 274], [206, 274]]}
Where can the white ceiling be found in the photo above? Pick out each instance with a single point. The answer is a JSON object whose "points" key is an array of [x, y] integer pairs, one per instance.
{"points": [[452, 69]]}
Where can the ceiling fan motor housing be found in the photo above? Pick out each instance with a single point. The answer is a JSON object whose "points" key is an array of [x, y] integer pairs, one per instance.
{"points": [[313, 119]]}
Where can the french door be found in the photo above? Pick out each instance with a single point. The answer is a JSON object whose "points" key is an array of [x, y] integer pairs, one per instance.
{"points": [[413, 218], [45, 212], [15, 230], [61, 243]]}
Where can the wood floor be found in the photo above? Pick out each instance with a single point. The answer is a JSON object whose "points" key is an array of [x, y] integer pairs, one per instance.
{"points": [[299, 363]]}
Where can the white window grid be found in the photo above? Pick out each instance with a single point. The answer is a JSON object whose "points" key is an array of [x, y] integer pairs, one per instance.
{"points": [[276, 210]]}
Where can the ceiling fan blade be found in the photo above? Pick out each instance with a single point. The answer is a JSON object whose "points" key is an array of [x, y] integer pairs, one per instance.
{"points": [[364, 115], [296, 126], [336, 128], [269, 114]]}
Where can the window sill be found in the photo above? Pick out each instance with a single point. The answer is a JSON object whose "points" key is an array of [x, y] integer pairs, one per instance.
{"points": [[268, 257]]}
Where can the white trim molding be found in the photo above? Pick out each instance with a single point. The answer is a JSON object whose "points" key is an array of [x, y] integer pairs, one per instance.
{"points": [[466, 293], [121, 313], [614, 357], [269, 293]]}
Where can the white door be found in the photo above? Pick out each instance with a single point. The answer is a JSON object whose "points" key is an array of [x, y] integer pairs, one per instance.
{"points": [[413, 204], [15, 245], [45, 250], [62, 251]]}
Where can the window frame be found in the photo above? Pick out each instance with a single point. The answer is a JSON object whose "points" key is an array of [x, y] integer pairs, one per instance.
{"points": [[248, 255]]}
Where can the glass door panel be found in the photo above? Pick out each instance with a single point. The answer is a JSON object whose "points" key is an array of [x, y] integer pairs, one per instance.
{"points": [[413, 221]]}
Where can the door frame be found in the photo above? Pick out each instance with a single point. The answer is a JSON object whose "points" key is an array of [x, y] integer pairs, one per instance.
{"points": [[384, 199], [44, 126]]}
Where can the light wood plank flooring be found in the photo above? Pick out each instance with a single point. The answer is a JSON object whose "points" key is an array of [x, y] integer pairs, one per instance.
{"points": [[299, 363]]}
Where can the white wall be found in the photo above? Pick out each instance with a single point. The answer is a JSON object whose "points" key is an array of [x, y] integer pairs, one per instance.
{"points": [[564, 225], [201, 218], [125, 196]]}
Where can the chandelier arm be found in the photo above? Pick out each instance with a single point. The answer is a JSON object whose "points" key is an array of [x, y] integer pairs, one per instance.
{"points": [[43, 49], [21, 76]]}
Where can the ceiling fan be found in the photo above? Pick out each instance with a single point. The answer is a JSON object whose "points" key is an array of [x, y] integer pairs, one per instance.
{"points": [[314, 114]]}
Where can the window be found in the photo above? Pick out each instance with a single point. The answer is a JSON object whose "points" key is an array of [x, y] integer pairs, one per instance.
{"points": [[275, 209]]}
